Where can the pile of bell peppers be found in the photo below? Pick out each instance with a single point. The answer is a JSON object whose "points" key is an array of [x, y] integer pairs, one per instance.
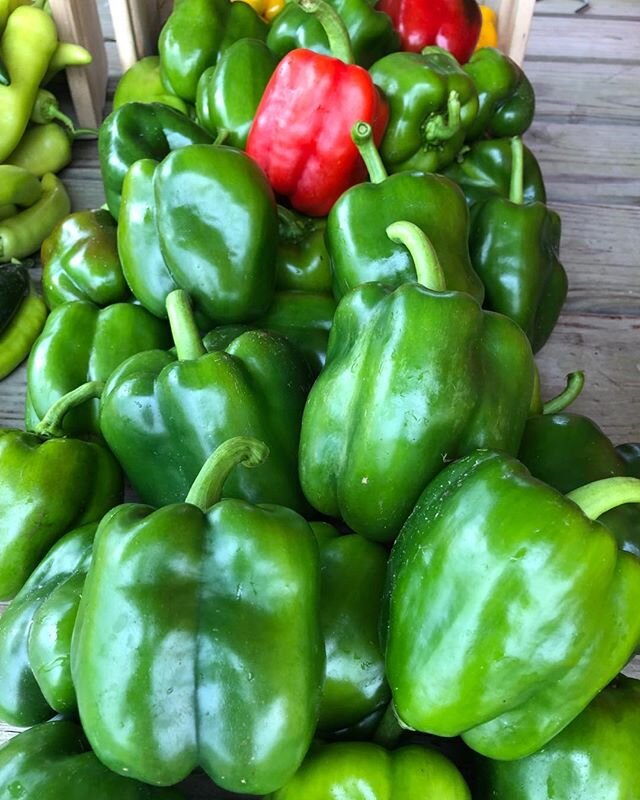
{"points": [[361, 558]]}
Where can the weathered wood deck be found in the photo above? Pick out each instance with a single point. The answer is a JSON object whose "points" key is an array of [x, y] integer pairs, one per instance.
{"points": [[586, 71]]}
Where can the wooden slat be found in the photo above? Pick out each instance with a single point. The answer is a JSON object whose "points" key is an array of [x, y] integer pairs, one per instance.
{"points": [[584, 37], [597, 8]]}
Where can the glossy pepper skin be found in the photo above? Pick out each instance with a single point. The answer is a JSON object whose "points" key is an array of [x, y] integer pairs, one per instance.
{"points": [[359, 247], [514, 248], [53, 760], [451, 24], [22, 316], [142, 83], [80, 261], [595, 756], [248, 582], [432, 103], [395, 402], [229, 93], [371, 32], [486, 541], [140, 130], [352, 581], [365, 771], [196, 35], [567, 451], [256, 386], [302, 261], [485, 169], [42, 149], [319, 161], [505, 95], [49, 484], [81, 342], [35, 634]]}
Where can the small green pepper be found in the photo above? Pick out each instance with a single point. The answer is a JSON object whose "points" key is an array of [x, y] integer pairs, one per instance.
{"points": [[18, 186], [42, 149], [141, 83], [66, 54], [22, 316]]}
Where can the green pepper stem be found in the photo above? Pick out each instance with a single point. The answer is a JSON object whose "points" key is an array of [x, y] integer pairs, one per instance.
{"points": [[516, 190], [535, 406], [206, 490], [389, 729], [221, 136], [600, 496], [78, 132], [186, 335], [51, 423], [291, 227], [422, 252], [437, 128], [575, 384], [362, 135], [334, 27]]}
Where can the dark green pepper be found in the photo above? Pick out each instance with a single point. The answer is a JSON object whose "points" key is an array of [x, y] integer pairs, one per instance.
{"points": [[81, 342], [506, 98], [196, 35], [229, 93], [484, 170], [49, 484], [371, 32], [53, 760], [541, 607], [514, 248], [302, 261], [257, 386], [414, 377], [358, 245], [432, 103], [35, 634], [22, 316], [201, 679], [630, 452], [80, 261], [142, 83], [140, 130]]}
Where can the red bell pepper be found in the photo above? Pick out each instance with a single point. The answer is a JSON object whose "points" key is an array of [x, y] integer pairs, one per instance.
{"points": [[301, 134], [451, 24]]}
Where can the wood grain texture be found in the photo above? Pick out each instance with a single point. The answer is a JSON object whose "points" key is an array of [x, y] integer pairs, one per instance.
{"points": [[596, 8], [584, 37]]}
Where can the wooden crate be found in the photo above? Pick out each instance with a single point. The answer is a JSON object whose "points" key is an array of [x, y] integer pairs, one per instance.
{"points": [[137, 24]]}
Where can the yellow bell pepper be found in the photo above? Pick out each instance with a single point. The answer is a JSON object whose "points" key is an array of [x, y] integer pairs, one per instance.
{"points": [[489, 31], [268, 9]]}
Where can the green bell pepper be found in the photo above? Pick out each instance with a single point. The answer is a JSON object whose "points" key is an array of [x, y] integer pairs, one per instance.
{"points": [[229, 93], [302, 261], [35, 634], [414, 377], [53, 760], [257, 386], [484, 170], [49, 484], [358, 245], [432, 103], [201, 679], [539, 602], [365, 771], [506, 97], [81, 342], [140, 130], [142, 83], [352, 581], [630, 452], [514, 249], [22, 316], [197, 34], [80, 261], [596, 756], [371, 32]]}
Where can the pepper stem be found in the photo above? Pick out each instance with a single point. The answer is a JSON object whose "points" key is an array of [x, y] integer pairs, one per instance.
{"points": [[389, 729], [334, 27], [183, 326], [437, 128], [600, 496], [51, 423], [221, 136], [422, 252], [206, 490], [575, 384], [516, 190], [362, 135]]}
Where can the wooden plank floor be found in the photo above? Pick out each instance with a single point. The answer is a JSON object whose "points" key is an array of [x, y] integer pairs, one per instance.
{"points": [[586, 71]]}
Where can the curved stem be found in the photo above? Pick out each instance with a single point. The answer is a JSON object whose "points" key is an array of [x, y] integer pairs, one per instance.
{"points": [[575, 384], [362, 135], [516, 191], [600, 496], [389, 729], [206, 490], [422, 252], [291, 227], [51, 423], [54, 113], [334, 27], [186, 335], [77, 132], [221, 136], [439, 130]]}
